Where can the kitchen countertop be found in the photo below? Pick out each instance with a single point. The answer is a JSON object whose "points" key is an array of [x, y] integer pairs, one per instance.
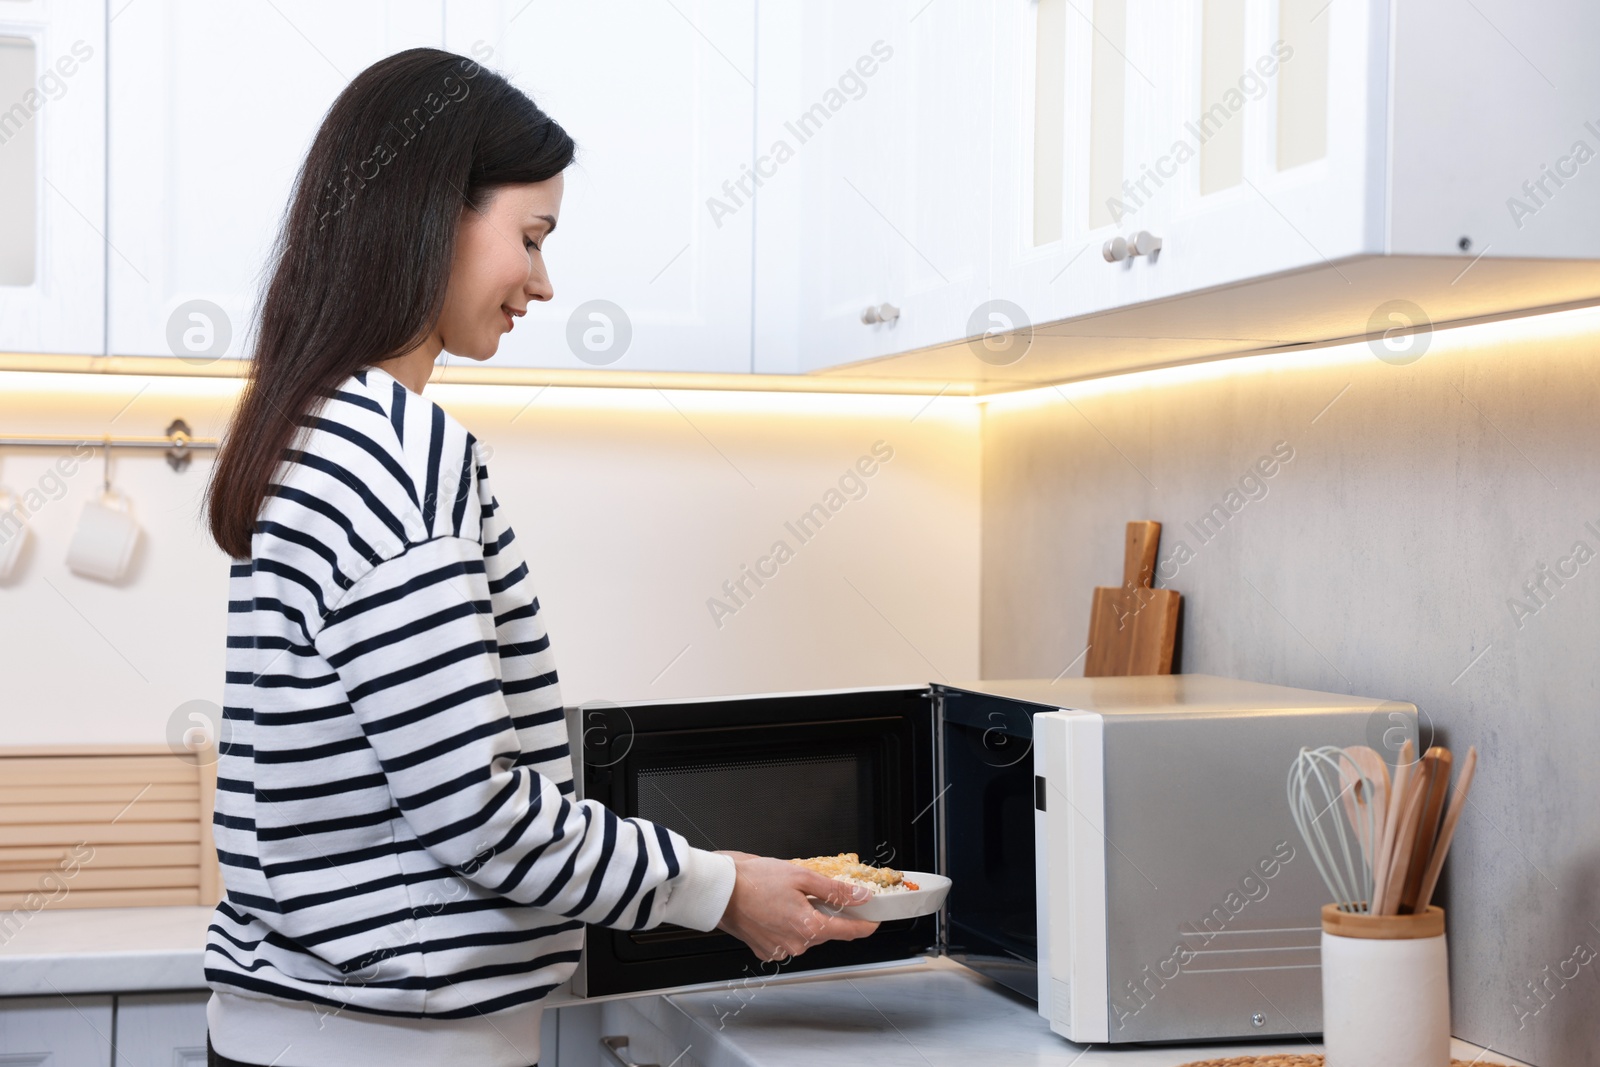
{"points": [[104, 950], [931, 1013]]}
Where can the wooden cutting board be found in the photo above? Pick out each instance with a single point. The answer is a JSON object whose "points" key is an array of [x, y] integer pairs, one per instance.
{"points": [[1132, 627], [106, 826]]}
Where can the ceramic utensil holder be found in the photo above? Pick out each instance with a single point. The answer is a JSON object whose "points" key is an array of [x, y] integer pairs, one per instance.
{"points": [[1385, 989]]}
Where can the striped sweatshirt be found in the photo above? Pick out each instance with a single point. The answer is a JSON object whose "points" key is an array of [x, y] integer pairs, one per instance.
{"points": [[407, 870]]}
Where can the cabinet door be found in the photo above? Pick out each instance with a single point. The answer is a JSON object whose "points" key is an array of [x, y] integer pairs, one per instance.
{"points": [[162, 1028], [55, 1032], [944, 169], [1210, 124], [213, 107], [873, 136], [629, 1028], [831, 216], [651, 262], [1276, 148], [1084, 96], [53, 251]]}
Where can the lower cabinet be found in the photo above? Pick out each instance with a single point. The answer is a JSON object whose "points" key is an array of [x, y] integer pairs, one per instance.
{"points": [[56, 1031], [164, 1029], [168, 1029], [627, 1026]]}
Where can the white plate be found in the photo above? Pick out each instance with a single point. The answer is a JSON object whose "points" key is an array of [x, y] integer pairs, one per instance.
{"points": [[924, 900]]}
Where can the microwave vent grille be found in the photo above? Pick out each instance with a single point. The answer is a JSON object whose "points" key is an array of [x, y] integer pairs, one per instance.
{"points": [[1266, 948]]}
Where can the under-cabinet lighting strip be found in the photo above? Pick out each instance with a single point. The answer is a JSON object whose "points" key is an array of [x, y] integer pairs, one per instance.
{"points": [[1447, 337], [746, 388], [523, 377]]}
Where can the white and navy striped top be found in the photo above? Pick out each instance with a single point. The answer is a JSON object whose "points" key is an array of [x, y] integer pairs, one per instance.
{"points": [[406, 870]]}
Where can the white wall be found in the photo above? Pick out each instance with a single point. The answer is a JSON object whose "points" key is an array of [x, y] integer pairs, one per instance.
{"points": [[634, 507]]}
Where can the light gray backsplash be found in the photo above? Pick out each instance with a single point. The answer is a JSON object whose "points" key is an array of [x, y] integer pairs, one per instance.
{"points": [[1382, 561]]}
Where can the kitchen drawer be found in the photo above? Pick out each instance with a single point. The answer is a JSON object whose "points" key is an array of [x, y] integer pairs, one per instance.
{"points": [[53, 1030], [162, 1028], [648, 1043]]}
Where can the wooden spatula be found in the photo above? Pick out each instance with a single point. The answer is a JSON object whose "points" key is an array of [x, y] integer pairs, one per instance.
{"points": [[1441, 848], [1436, 772], [1391, 822], [1132, 627], [1364, 790], [1416, 791]]}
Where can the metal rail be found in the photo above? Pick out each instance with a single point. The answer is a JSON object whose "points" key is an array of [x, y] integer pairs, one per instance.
{"points": [[178, 444]]}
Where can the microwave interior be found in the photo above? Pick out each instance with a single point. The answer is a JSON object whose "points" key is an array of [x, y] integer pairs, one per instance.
{"points": [[818, 774]]}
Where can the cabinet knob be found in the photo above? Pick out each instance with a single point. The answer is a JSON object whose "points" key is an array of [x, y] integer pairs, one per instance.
{"points": [[1145, 243], [884, 312], [1115, 250]]}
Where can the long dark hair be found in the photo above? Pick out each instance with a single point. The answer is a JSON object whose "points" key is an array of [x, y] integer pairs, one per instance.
{"points": [[364, 252]]}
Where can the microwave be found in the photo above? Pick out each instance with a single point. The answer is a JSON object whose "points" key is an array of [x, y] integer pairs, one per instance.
{"points": [[1121, 850]]}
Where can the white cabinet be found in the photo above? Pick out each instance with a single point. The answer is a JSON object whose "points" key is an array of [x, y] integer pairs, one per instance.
{"points": [[55, 1031], [212, 108], [1245, 135], [873, 136], [1283, 104], [53, 251], [829, 214], [651, 262], [627, 1027], [787, 186], [1510, 164], [1305, 170], [168, 1029]]}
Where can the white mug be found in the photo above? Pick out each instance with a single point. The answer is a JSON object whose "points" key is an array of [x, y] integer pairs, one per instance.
{"points": [[103, 543], [13, 532]]}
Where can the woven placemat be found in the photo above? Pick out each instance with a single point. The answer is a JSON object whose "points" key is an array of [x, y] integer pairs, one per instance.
{"points": [[1314, 1060]]}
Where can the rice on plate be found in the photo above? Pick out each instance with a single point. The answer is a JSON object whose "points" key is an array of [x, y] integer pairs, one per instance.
{"points": [[847, 867]]}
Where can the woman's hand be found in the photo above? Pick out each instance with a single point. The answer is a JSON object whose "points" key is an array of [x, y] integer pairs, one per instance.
{"points": [[769, 910]]}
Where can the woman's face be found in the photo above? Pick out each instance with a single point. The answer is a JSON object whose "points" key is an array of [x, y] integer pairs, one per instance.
{"points": [[499, 266]]}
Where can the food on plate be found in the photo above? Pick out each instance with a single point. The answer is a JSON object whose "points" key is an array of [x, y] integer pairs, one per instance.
{"points": [[847, 867]]}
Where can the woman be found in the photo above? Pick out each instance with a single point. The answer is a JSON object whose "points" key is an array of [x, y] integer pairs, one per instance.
{"points": [[407, 872]]}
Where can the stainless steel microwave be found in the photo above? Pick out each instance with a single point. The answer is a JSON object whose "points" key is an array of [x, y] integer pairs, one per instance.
{"points": [[1120, 849]]}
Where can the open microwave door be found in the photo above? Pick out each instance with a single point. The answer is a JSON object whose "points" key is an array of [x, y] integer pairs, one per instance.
{"points": [[785, 775], [991, 810]]}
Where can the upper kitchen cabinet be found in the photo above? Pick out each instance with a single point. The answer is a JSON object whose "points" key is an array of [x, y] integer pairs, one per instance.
{"points": [[53, 251], [1181, 181], [873, 159], [651, 263], [212, 109], [1504, 171], [1160, 148]]}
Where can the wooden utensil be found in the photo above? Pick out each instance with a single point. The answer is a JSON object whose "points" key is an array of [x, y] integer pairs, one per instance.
{"points": [[1458, 801], [1365, 806], [1133, 627], [1436, 771], [1392, 811], [1405, 836]]}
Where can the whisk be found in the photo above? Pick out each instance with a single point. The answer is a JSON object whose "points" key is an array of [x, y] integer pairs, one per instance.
{"points": [[1335, 831]]}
